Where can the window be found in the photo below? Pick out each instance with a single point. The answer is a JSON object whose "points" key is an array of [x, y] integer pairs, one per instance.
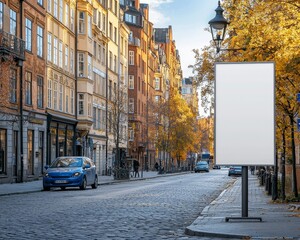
{"points": [[67, 58], [72, 101], [67, 15], [40, 36], [13, 85], [49, 53], [1, 15], [90, 26], [55, 8], [130, 18], [122, 46], [95, 49], [89, 108], [30, 150], [81, 64], [72, 61], [60, 55], [40, 92], [61, 94], [55, 50], [103, 122], [49, 93], [61, 2], [103, 55], [81, 104], [103, 24], [3, 159], [72, 19], [95, 15], [67, 99], [131, 58], [115, 63], [110, 59], [81, 29], [131, 135], [40, 2], [28, 33], [131, 82], [12, 22], [110, 30], [94, 117], [90, 68], [131, 105], [49, 5], [157, 84], [28, 88], [115, 34], [110, 90], [55, 95], [99, 20]]}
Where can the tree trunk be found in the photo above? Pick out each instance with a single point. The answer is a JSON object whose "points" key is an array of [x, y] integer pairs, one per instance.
{"points": [[295, 189], [283, 166]]}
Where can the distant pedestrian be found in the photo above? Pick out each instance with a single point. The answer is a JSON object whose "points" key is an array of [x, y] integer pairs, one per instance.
{"points": [[156, 166], [136, 168], [252, 168]]}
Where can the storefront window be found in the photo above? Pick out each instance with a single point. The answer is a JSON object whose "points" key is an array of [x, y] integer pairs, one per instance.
{"points": [[70, 134], [53, 132], [61, 139], [2, 151], [30, 152]]}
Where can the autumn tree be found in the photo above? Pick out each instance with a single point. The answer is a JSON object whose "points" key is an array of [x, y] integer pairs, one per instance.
{"points": [[117, 117], [267, 30]]}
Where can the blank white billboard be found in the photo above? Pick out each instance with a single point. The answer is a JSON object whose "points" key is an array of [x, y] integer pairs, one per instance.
{"points": [[245, 113]]}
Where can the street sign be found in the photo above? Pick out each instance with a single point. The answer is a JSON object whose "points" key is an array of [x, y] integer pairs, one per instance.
{"points": [[298, 97]]}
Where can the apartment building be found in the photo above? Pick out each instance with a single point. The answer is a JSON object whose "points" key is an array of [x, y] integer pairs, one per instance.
{"points": [[164, 39], [137, 18], [60, 78], [189, 93], [22, 109], [97, 132]]}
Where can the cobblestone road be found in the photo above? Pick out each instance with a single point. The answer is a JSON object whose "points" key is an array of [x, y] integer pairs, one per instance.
{"points": [[157, 208]]}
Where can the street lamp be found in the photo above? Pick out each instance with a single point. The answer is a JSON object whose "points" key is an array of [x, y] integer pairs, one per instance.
{"points": [[218, 27]]}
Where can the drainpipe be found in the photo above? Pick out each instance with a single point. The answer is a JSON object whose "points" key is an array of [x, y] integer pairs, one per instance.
{"points": [[106, 100], [76, 74], [21, 99]]}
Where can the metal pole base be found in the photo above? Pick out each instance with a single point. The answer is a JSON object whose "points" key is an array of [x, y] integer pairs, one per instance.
{"points": [[244, 218]]}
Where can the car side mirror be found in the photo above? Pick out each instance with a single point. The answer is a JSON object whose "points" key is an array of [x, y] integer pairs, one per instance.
{"points": [[46, 167], [87, 166]]}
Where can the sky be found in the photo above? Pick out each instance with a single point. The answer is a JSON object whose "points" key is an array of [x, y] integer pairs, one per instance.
{"points": [[188, 19]]}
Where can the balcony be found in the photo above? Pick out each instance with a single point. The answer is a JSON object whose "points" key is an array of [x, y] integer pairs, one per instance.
{"points": [[12, 45], [134, 41]]}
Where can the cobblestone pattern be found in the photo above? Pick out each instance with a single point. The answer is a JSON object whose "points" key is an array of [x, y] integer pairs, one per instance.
{"points": [[159, 208]]}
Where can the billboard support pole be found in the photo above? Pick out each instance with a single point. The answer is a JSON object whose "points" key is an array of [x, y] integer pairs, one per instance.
{"points": [[244, 191], [244, 199]]}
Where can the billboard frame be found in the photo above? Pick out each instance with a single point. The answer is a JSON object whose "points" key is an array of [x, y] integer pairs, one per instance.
{"points": [[233, 71]]}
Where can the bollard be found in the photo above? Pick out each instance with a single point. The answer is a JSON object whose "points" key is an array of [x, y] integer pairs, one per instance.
{"points": [[270, 185]]}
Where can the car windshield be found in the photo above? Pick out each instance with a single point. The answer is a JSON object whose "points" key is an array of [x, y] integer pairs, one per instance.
{"points": [[67, 162], [202, 163]]}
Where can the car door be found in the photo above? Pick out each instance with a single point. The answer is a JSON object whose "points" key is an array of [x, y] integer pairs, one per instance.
{"points": [[88, 171]]}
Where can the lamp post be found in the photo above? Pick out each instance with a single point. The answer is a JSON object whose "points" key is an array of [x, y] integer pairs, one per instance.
{"points": [[218, 27]]}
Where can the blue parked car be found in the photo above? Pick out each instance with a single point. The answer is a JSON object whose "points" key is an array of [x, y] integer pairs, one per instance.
{"points": [[202, 166], [235, 170], [70, 172]]}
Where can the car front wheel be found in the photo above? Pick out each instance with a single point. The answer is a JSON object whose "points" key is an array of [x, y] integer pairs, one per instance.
{"points": [[95, 184], [46, 188], [83, 184]]}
